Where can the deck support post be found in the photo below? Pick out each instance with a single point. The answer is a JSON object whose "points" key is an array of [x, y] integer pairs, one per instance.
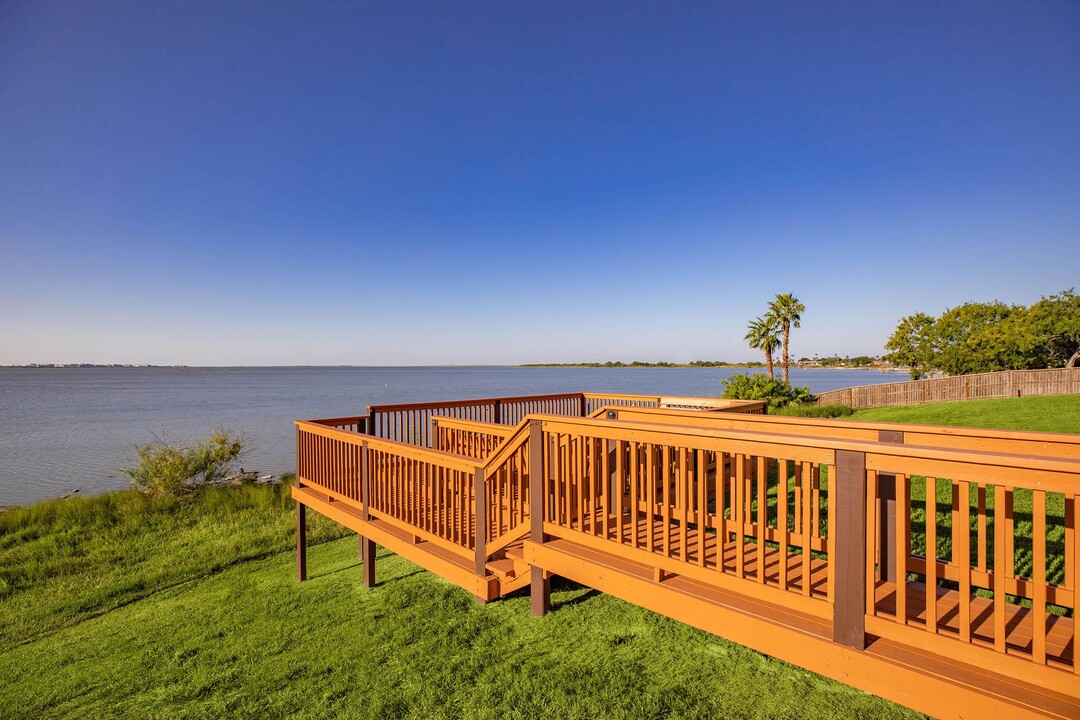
{"points": [[367, 556], [480, 541], [480, 517], [849, 564], [367, 546], [539, 583], [886, 512], [301, 542]]}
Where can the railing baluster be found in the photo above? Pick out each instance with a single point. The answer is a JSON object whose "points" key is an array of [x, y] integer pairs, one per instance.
{"points": [[702, 503], [931, 554], [606, 498], [683, 488], [620, 474], [635, 490], [1038, 576], [762, 514], [871, 541], [807, 495], [1075, 565], [1000, 558], [962, 555], [980, 547], [650, 486], [665, 478], [903, 535], [737, 503], [782, 518]]}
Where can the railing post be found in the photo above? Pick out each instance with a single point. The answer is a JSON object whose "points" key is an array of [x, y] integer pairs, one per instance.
{"points": [[367, 545], [539, 586], [496, 413], [480, 523], [584, 405], [849, 565], [301, 541], [886, 512]]}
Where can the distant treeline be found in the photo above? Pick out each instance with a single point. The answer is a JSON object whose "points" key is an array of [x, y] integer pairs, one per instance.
{"points": [[640, 364]]}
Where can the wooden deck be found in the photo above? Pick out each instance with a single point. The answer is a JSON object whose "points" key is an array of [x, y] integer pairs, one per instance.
{"points": [[781, 534]]}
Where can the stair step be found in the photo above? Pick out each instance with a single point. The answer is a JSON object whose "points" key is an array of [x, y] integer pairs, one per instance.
{"points": [[504, 569], [515, 552]]}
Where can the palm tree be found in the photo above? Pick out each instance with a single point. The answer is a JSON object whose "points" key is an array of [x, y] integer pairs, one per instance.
{"points": [[786, 312], [762, 335]]}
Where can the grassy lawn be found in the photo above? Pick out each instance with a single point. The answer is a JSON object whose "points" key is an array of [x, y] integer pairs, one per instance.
{"points": [[1059, 413], [164, 629], [118, 606]]}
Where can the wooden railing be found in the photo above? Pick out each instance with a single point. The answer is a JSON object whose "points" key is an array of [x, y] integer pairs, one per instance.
{"points": [[1007, 383], [958, 531], [411, 422], [430, 492], [796, 521], [507, 506], [692, 504], [957, 438], [468, 437]]}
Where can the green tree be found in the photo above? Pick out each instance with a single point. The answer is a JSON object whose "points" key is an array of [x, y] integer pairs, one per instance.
{"points": [[763, 334], [1054, 323], [913, 344], [974, 337], [786, 312], [987, 336]]}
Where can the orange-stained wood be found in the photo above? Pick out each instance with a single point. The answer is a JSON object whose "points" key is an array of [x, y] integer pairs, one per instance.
{"points": [[671, 508]]}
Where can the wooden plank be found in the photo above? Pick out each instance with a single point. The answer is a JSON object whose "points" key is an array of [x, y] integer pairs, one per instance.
{"points": [[805, 477], [872, 485], [1038, 576], [902, 485], [301, 542], [1000, 559], [762, 513], [848, 562], [962, 555], [931, 555]]}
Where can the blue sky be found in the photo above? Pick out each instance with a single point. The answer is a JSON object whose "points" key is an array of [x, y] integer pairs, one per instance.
{"points": [[413, 183]]}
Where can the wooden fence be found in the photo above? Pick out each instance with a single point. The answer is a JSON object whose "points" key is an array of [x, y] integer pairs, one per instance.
{"points": [[1007, 383]]}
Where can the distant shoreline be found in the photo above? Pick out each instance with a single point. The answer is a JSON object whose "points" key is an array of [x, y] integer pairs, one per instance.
{"points": [[737, 366], [600, 366]]}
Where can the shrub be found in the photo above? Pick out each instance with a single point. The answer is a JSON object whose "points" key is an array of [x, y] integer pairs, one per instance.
{"points": [[815, 411], [163, 468], [777, 393]]}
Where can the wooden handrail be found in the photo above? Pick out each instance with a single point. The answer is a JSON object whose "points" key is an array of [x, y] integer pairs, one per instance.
{"points": [[448, 460], [885, 457], [944, 436]]}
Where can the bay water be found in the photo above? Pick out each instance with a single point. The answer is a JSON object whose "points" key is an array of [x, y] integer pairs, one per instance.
{"points": [[63, 429]]}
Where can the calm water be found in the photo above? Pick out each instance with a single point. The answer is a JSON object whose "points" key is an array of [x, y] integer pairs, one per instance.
{"points": [[74, 428]]}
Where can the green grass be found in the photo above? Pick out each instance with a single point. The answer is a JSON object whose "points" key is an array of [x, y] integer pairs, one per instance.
{"points": [[121, 606], [1058, 413], [251, 642]]}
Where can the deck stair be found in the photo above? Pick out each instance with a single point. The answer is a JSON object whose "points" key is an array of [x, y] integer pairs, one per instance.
{"points": [[801, 538]]}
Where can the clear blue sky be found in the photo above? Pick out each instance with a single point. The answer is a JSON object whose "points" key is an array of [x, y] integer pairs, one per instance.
{"points": [[412, 183]]}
